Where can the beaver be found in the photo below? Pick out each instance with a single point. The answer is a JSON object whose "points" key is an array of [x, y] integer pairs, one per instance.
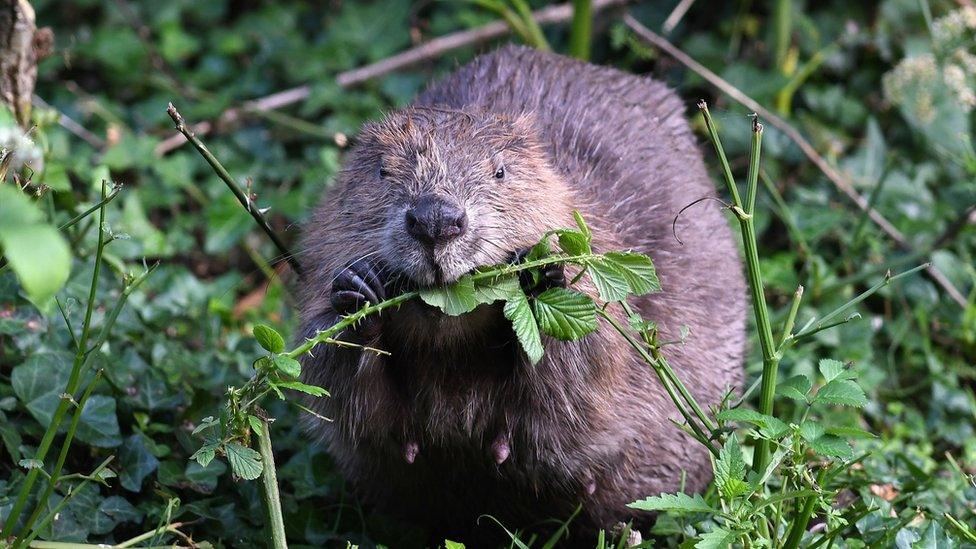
{"points": [[455, 422]]}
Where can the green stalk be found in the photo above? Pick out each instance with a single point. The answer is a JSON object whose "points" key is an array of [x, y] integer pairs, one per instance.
{"points": [[56, 473], [269, 480], [581, 31], [754, 274], [783, 25], [535, 31], [803, 518], [73, 379], [64, 501]]}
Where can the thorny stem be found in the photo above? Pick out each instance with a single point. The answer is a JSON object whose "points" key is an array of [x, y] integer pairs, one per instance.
{"points": [[225, 176], [269, 481]]}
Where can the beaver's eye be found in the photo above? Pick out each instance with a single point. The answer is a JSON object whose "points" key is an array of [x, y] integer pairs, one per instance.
{"points": [[500, 172], [384, 173]]}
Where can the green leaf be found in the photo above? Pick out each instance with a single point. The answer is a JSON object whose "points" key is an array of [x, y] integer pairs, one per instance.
{"points": [[136, 463], [269, 338], [843, 392], [573, 242], [112, 511], [518, 311], [796, 388], [832, 446], [676, 503], [771, 426], [582, 225], [609, 281], [288, 366], [811, 430], [565, 314], [730, 469], [256, 425], [36, 251], [716, 538], [302, 387], [832, 369], [205, 454], [500, 289], [637, 269], [850, 432], [244, 462], [454, 300], [448, 544]]}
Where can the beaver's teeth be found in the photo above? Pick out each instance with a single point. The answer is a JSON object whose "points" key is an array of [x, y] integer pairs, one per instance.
{"points": [[500, 449], [410, 451]]}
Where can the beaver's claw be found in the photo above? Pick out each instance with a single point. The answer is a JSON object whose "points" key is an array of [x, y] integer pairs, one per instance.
{"points": [[353, 287], [551, 276]]}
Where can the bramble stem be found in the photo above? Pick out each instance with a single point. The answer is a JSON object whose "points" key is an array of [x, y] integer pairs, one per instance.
{"points": [[269, 481], [225, 176]]}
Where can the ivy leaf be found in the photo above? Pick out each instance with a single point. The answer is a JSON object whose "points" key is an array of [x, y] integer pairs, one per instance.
{"points": [[832, 446], [454, 300], [136, 463], [303, 388], [518, 311], [565, 314], [730, 469], [244, 461], [843, 392], [795, 388], [637, 269], [269, 338], [573, 242], [288, 366], [609, 281], [833, 369], [675, 503]]}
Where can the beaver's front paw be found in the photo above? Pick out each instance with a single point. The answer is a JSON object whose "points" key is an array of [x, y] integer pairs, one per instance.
{"points": [[551, 276], [353, 287]]}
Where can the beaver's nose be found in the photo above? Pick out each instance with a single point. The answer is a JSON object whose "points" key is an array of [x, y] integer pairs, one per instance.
{"points": [[434, 220]]}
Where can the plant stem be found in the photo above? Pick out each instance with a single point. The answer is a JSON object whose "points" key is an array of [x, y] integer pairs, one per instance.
{"points": [[803, 518], [150, 534], [64, 501], [72, 386], [225, 176], [269, 480], [581, 29], [101, 204]]}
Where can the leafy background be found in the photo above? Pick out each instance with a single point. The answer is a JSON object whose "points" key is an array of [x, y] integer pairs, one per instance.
{"points": [[880, 102]]}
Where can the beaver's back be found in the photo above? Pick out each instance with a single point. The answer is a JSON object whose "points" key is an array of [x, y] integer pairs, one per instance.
{"points": [[623, 142]]}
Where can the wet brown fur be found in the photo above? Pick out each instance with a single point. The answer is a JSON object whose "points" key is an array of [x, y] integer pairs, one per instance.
{"points": [[589, 424]]}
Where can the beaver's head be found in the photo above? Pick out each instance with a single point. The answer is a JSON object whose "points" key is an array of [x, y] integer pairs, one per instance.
{"points": [[440, 192]]}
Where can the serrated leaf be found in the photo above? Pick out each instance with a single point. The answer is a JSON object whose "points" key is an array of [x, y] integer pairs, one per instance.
{"points": [[302, 387], [609, 281], [565, 314], [256, 425], [716, 538], [676, 503], [288, 366], [500, 289], [811, 430], [833, 369], [455, 299], [518, 311], [832, 446], [637, 269], [850, 432], [730, 469], [796, 388], [843, 392], [770, 426], [269, 338], [205, 423], [582, 225], [244, 461], [573, 242], [205, 454]]}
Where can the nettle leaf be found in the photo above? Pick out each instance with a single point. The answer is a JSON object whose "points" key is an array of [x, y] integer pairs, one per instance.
{"points": [[796, 388], [716, 538], [832, 369], [637, 269], [269, 338], [244, 461], [565, 314], [454, 300], [609, 281], [832, 446], [730, 470], [573, 242], [843, 392], [499, 289], [288, 366], [675, 503], [303, 388], [518, 311]]}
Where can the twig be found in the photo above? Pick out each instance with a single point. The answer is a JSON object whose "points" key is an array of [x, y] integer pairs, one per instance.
{"points": [[677, 14], [833, 175], [234, 187], [69, 124], [428, 50]]}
